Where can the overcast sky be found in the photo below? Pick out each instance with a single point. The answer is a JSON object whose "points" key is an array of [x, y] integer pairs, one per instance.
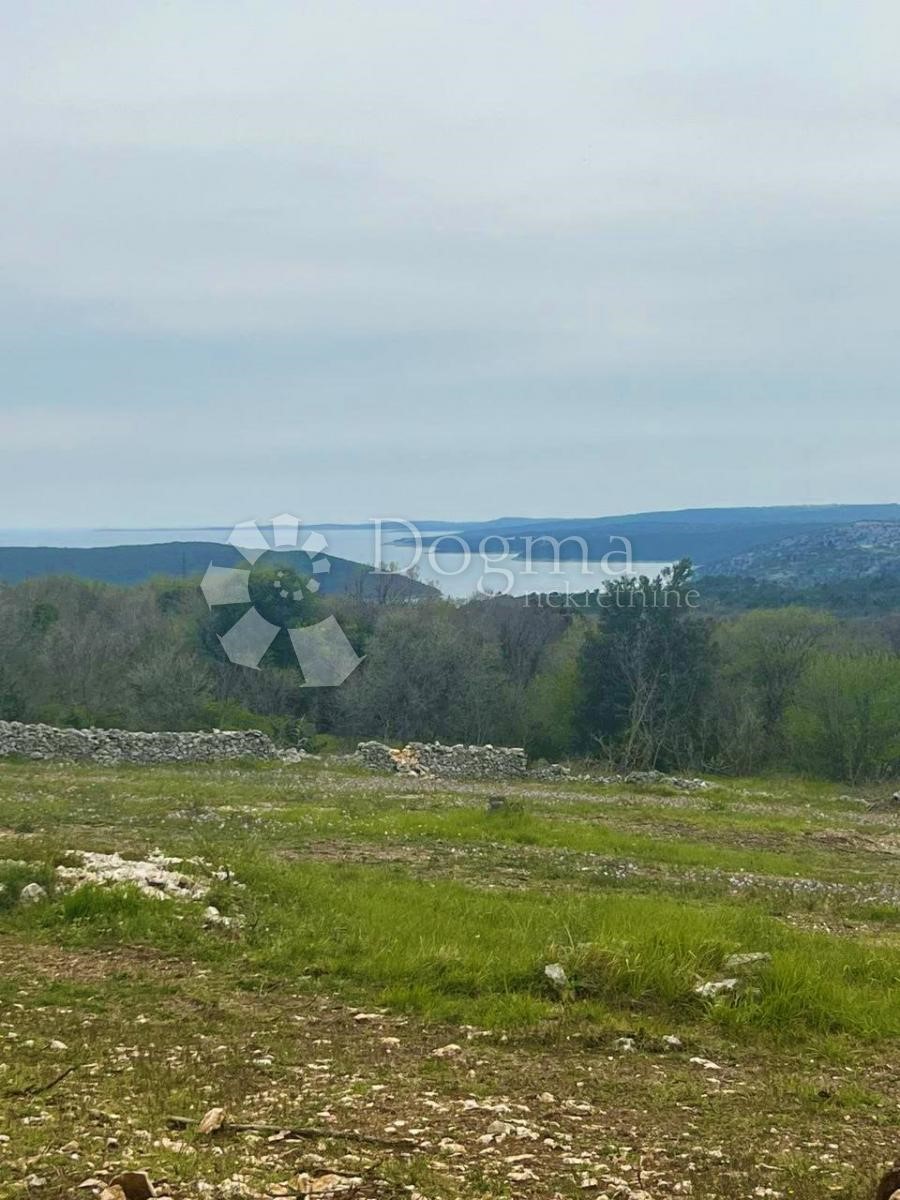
{"points": [[445, 259]]}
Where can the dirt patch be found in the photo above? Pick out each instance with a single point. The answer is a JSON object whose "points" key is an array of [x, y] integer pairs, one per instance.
{"points": [[50, 962], [548, 1114]]}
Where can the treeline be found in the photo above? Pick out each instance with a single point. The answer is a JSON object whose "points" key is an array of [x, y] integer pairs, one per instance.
{"points": [[644, 678]]}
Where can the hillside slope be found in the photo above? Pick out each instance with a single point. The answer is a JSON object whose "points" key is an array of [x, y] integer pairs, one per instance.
{"points": [[866, 549], [185, 560], [705, 535]]}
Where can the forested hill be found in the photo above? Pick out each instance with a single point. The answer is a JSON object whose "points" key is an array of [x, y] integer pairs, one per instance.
{"points": [[866, 550], [183, 560], [705, 535]]}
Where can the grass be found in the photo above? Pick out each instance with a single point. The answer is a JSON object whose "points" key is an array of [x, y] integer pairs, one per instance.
{"points": [[451, 952], [409, 900]]}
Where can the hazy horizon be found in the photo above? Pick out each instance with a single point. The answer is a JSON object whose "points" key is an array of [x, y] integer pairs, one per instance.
{"points": [[422, 523]]}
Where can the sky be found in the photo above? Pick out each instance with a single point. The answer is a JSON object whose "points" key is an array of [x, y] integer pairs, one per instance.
{"points": [[445, 259]]}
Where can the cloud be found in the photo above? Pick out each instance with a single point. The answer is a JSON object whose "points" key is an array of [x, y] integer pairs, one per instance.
{"points": [[372, 221]]}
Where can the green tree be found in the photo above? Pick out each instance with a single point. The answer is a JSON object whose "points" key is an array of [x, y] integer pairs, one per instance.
{"points": [[646, 672], [845, 719], [551, 698], [768, 650], [427, 676]]}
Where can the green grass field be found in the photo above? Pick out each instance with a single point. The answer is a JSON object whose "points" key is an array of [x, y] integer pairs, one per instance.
{"points": [[408, 902]]}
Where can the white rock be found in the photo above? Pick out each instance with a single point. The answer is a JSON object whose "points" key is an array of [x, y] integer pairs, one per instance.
{"points": [[706, 1064], [32, 893], [715, 987], [735, 961], [556, 974], [448, 1051], [212, 1121]]}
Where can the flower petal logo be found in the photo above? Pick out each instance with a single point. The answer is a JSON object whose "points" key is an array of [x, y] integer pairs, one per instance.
{"points": [[323, 651]]}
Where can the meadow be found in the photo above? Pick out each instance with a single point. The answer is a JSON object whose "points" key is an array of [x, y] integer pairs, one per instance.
{"points": [[371, 998]]}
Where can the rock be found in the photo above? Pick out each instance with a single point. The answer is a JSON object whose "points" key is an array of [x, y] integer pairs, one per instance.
{"points": [[673, 1042], [657, 777], [556, 974], [57, 1046], [32, 893], [135, 1185], [644, 777], [735, 961], [113, 1193], [706, 1064], [363, 1018], [154, 876], [212, 1121], [716, 987], [295, 755], [326, 1185], [626, 1044], [549, 772], [449, 1051], [212, 917]]}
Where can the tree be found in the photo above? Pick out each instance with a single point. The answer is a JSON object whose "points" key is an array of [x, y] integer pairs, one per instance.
{"points": [[646, 672], [551, 697], [768, 651], [426, 676], [845, 719]]}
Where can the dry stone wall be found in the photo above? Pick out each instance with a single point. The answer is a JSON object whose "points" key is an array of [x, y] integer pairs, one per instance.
{"points": [[435, 760], [122, 745]]}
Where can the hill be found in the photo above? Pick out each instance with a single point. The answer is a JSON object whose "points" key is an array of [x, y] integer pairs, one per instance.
{"points": [[867, 550], [130, 565], [705, 535]]}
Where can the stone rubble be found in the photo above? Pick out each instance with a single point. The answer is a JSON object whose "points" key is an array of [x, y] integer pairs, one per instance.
{"points": [[433, 760], [154, 877]]}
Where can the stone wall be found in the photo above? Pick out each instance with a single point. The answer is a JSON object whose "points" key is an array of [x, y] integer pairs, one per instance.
{"points": [[434, 760], [120, 745]]}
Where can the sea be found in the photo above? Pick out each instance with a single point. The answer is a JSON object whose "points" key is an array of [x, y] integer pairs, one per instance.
{"points": [[456, 572]]}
